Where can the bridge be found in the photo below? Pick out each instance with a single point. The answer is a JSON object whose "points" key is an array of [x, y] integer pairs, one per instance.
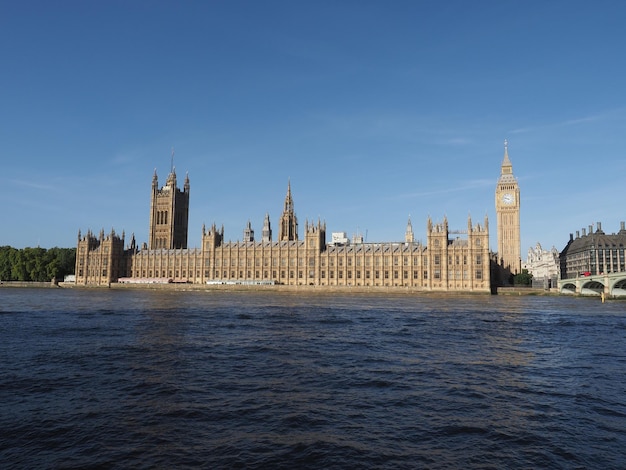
{"points": [[610, 284]]}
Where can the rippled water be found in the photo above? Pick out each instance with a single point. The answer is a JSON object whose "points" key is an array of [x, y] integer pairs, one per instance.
{"points": [[118, 379]]}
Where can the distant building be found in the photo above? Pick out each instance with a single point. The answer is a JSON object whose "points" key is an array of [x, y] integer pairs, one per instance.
{"points": [[593, 252], [543, 265], [450, 261]]}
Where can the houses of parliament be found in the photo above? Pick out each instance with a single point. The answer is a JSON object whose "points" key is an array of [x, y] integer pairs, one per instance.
{"points": [[450, 260]]}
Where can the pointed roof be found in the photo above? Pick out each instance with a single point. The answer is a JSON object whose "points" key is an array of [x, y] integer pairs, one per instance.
{"points": [[507, 167], [506, 170], [288, 198]]}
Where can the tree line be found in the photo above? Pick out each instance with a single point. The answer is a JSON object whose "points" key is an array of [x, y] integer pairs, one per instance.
{"points": [[36, 264]]}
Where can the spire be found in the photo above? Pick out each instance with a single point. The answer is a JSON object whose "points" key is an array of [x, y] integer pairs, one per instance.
{"points": [[408, 235], [288, 199], [507, 167], [288, 219]]}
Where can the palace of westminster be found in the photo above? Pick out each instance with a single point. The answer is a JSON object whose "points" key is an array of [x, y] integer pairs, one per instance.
{"points": [[450, 260]]}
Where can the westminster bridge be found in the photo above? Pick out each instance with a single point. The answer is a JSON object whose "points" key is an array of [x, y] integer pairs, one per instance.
{"points": [[610, 284]]}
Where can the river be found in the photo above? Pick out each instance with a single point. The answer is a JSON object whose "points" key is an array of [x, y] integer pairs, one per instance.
{"points": [[99, 378]]}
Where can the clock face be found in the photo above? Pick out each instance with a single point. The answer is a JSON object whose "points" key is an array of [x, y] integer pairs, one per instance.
{"points": [[508, 198]]}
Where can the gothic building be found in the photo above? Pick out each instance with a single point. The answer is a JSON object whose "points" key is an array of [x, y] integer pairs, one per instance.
{"points": [[508, 221], [450, 260], [169, 213]]}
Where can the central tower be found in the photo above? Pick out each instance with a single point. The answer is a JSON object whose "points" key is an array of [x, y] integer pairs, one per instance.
{"points": [[507, 211], [288, 219]]}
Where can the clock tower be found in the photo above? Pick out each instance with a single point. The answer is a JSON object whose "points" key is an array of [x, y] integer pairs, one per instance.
{"points": [[507, 211]]}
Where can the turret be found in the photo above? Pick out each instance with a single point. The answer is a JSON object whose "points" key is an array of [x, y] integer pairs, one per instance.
{"points": [[408, 234], [248, 233], [288, 219], [267, 229]]}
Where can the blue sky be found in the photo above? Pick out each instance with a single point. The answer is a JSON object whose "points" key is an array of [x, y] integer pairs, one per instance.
{"points": [[374, 110]]}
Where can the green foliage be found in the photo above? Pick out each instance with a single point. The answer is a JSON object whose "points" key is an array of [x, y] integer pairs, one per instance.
{"points": [[36, 264], [523, 279]]}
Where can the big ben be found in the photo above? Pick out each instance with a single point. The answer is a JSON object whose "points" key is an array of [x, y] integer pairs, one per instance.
{"points": [[507, 211]]}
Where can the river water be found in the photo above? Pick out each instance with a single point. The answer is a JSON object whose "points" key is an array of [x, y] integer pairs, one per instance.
{"points": [[170, 379]]}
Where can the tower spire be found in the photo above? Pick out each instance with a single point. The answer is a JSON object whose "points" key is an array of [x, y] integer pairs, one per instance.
{"points": [[507, 166], [288, 219], [172, 161], [408, 234]]}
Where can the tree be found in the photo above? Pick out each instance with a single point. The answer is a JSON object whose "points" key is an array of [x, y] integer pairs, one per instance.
{"points": [[36, 264], [523, 279]]}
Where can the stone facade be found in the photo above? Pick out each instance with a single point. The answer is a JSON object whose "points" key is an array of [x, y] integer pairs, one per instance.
{"points": [[169, 213], [508, 221], [593, 253], [543, 265], [450, 261]]}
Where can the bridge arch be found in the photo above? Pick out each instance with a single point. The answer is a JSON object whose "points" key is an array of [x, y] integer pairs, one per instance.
{"points": [[568, 288], [618, 288], [592, 287]]}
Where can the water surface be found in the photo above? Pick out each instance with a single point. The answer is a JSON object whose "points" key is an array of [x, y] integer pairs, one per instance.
{"points": [[154, 379]]}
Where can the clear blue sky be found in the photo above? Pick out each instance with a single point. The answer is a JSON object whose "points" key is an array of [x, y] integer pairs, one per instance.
{"points": [[374, 110]]}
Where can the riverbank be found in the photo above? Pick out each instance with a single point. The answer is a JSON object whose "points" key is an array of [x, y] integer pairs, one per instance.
{"points": [[30, 284], [517, 291]]}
